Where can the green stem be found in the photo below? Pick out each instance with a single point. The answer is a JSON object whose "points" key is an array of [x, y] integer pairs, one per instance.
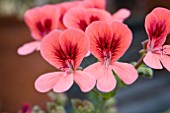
{"points": [[140, 62]]}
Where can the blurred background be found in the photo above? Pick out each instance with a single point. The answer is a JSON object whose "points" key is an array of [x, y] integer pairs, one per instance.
{"points": [[18, 73]]}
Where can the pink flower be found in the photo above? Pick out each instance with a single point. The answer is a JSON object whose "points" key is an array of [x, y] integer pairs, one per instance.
{"points": [[41, 21], [108, 42], [65, 50], [82, 17], [157, 25], [25, 108]]}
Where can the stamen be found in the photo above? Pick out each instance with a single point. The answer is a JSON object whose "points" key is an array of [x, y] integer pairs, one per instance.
{"points": [[107, 58]]}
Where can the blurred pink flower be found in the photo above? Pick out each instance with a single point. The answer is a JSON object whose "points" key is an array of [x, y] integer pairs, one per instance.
{"points": [[79, 17], [25, 108], [65, 50], [108, 42], [157, 25], [41, 21]]}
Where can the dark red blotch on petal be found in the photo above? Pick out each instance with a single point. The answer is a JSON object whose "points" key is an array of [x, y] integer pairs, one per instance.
{"points": [[156, 29], [83, 24], [94, 18], [107, 47], [68, 57], [44, 28]]}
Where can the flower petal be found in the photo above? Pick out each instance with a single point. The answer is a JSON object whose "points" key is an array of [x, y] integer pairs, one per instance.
{"points": [[80, 18], [106, 82], [98, 33], [121, 15], [100, 4], [126, 72], [75, 45], [28, 48], [85, 81], [40, 18], [64, 7], [166, 49], [157, 25], [165, 61], [56, 80], [64, 82], [122, 37], [152, 60], [94, 69], [50, 49]]}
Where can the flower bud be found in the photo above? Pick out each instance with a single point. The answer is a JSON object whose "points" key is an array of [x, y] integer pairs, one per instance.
{"points": [[60, 99], [54, 108], [37, 109], [82, 106]]}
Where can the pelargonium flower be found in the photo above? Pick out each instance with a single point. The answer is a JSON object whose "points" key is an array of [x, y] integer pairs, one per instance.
{"points": [[65, 51], [82, 17], [108, 42], [157, 25], [65, 6], [41, 21]]}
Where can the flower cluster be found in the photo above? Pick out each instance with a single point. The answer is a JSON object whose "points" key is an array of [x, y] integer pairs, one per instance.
{"points": [[65, 33]]}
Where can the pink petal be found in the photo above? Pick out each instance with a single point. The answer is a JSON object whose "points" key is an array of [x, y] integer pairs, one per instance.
{"points": [[122, 36], [57, 81], [28, 48], [153, 60], [50, 49], [75, 45], [126, 72], [95, 69], [163, 14], [85, 81], [157, 25], [98, 33], [80, 17], [106, 82], [121, 15], [166, 49], [35, 19], [88, 54], [64, 82], [64, 7], [100, 4], [165, 61]]}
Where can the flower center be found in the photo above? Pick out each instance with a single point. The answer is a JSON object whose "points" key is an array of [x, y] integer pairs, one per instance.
{"points": [[107, 57], [70, 65]]}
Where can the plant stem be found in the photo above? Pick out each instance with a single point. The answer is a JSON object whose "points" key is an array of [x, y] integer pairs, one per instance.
{"points": [[140, 61]]}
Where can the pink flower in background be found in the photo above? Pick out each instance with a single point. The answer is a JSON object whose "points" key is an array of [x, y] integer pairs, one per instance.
{"points": [[157, 25], [65, 6], [108, 42], [41, 21], [65, 50], [26, 108], [121, 15], [81, 17]]}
